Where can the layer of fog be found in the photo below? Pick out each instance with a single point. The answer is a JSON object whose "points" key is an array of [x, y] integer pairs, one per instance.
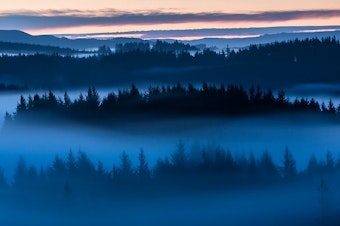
{"points": [[38, 144], [302, 135], [320, 92], [296, 205]]}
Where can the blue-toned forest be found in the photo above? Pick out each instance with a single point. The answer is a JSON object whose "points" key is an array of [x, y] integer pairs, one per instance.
{"points": [[247, 148], [274, 65], [75, 184], [166, 102]]}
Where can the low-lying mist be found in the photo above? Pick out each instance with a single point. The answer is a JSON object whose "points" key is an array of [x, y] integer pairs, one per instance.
{"points": [[303, 135], [267, 207], [301, 202]]}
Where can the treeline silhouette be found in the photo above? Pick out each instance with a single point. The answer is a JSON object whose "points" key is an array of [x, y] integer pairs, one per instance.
{"points": [[158, 46], [307, 50], [198, 169], [289, 62], [107, 68], [208, 176], [272, 65], [165, 102], [11, 87]]}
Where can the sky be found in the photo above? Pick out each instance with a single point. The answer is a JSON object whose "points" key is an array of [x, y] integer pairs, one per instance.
{"points": [[93, 16]]}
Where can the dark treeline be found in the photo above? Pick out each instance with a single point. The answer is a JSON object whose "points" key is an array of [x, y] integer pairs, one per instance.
{"points": [[11, 87], [158, 46], [308, 50], [52, 70], [281, 63], [75, 184], [289, 62], [202, 168], [175, 47], [165, 102]]}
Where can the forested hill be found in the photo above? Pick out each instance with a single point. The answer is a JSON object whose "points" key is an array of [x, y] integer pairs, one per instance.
{"points": [[163, 103], [276, 65], [306, 61]]}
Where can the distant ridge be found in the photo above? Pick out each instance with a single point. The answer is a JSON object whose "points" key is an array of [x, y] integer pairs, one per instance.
{"points": [[16, 36], [263, 39], [24, 48]]}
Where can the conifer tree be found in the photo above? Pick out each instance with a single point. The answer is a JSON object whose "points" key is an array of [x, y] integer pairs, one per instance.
{"points": [[288, 169], [20, 174], [143, 168], [125, 170], [71, 165], [3, 181]]}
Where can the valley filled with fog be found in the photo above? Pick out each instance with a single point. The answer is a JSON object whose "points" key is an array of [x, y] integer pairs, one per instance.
{"points": [[302, 134], [169, 134], [294, 203]]}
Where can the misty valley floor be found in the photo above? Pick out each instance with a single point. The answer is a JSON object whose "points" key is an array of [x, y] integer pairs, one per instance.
{"points": [[270, 206], [291, 203]]}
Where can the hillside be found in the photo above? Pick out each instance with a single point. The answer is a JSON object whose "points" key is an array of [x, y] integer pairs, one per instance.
{"points": [[278, 65], [15, 36], [22, 48]]}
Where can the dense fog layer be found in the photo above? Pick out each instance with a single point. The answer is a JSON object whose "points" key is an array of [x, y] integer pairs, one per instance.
{"points": [[299, 203], [267, 207], [186, 168], [301, 134]]}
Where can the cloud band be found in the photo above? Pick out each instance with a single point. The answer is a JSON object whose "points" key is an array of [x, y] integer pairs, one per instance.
{"points": [[74, 18]]}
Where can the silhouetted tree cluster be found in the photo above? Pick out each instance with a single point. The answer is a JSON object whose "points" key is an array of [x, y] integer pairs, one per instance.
{"points": [[165, 101], [289, 62], [310, 49], [132, 46], [104, 50], [159, 46], [175, 47], [207, 167], [4, 87]]}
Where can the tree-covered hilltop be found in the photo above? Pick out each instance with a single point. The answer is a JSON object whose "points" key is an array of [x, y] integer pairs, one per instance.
{"points": [[296, 51], [164, 102], [291, 62], [272, 65], [158, 46]]}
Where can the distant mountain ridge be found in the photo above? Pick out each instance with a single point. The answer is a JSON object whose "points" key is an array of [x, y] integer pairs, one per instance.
{"points": [[24, 48], [16, 36], [263, 39]]}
